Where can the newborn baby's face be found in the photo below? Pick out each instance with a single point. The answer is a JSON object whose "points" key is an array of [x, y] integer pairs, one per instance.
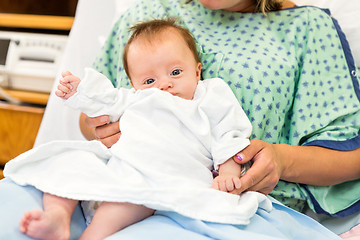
{"points": [[165, 63]]}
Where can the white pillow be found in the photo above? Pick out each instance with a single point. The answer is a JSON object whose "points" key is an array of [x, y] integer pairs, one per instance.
{"points": [[347, 12]]}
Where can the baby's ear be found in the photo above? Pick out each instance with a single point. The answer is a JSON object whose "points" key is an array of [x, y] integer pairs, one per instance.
{"points": [[198, 71]]}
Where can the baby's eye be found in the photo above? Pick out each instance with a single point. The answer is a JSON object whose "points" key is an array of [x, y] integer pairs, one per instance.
{"points": [[176, 72], [149, 81]]}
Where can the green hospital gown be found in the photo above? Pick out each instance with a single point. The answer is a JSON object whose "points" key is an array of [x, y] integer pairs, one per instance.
{"points": [[292, 72]]}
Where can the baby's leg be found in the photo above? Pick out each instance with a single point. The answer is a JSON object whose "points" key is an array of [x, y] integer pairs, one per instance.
{"points": [[111, 217], [51, 223]]}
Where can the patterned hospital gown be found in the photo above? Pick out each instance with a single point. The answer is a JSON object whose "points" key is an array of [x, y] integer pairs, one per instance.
{"points": [[292, 71]]}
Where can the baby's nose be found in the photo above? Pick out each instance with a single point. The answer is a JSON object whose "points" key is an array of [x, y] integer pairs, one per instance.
{"points": [[165, 84]]}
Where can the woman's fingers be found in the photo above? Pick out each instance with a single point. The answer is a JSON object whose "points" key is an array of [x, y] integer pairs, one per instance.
{"points": [[104, 131], [251, 183], [107, 133], [264, 174], [109, 141], [107, 130], [249, 152], [265, 186], [94, 122], [252, 178]]}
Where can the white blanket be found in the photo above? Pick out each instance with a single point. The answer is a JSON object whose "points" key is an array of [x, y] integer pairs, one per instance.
{"points": [[164, 156]]}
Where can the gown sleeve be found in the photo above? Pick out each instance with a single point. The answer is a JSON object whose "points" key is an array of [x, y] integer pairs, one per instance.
{"points": [[96, 96], [326, 107]]}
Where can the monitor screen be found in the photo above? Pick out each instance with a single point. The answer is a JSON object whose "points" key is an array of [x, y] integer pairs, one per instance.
{"points": [[4, 47]]}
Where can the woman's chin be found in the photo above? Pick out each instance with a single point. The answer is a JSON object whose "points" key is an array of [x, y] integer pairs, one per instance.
{"points": [[211, 4]]}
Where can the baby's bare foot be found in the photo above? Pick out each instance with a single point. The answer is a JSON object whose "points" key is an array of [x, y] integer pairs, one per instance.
{"points": [[45, 225]]}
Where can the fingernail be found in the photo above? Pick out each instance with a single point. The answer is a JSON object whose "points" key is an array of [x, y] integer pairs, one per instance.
{"points": [[240, 156]]}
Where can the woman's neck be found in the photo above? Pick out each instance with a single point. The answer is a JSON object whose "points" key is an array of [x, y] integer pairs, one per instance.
{"points": [[249, 6], [288, 4], [243, 6]]}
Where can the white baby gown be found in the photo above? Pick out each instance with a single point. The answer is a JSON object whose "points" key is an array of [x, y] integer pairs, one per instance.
{"points": [[163, 159]]}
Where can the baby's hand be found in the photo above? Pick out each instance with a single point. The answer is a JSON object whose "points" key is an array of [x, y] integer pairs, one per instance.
{"points": [[226, 183], [67, 85]]}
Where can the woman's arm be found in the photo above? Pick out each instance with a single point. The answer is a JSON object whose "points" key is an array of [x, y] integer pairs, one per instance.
{"points": [[317, 165], [302, 164], [100, 128]]}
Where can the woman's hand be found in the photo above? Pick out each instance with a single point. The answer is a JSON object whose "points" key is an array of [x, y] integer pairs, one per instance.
{"points": [[266, 170], [312, 165], [100, 128]]}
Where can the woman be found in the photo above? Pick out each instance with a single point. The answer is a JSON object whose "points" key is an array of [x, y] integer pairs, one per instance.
{"points": [[275, 157], [286, 74]]}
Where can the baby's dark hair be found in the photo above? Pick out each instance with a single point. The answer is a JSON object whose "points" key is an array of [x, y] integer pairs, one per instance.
{"points": [[150, 29]]}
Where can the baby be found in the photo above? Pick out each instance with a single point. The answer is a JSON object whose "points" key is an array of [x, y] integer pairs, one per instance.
{"points": [[175, 130]]}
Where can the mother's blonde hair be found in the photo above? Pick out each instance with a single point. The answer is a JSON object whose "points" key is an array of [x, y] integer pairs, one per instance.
{"points": [[268, 5]]}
